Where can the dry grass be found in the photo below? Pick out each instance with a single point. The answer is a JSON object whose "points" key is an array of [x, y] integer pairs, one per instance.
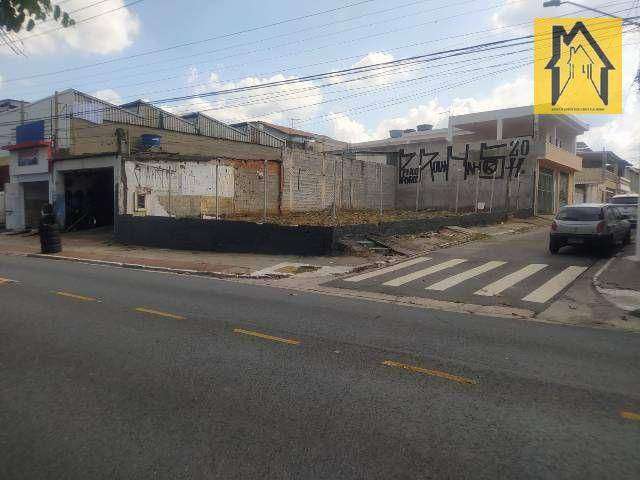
{"points": [[344, 217]]}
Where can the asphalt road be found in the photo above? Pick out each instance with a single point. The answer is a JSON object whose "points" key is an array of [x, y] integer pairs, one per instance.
{"points": [[90, 387], [526, 273]]}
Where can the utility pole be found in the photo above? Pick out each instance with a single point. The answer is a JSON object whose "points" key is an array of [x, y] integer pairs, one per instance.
{"points": [[264, 215], [217, 190]]}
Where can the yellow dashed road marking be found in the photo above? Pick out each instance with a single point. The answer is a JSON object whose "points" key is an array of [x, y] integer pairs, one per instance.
{"points": [[266, 337], [159, 313], [630, 415], [77, 297], [433, 373]]}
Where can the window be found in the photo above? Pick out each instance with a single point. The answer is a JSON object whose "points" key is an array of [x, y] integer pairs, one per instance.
{"points": [[141, 201], [581, 214], [624, 200]]}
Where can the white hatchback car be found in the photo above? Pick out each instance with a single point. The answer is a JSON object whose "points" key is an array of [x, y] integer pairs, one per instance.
{"points": [[597, 225], [628, 205]]}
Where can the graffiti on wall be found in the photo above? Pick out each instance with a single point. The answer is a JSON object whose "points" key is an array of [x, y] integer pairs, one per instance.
{"points": [[491, 162], [437, 166], [182, 178]]}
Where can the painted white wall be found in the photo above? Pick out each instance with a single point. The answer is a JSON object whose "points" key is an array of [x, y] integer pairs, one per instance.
{"points": [[159, 179], [42, 165], [14, 206]]}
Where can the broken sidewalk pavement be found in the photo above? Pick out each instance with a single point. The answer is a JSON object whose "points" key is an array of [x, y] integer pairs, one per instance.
{"points": [[619, 281]]}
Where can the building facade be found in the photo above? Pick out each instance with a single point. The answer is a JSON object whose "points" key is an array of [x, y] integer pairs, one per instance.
{"points": [[604, 174], [93, 161], [505, 159]]}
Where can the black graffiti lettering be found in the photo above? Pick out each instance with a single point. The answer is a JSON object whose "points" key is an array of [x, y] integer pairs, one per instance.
{"points": [[435, 165], [491, 166], [470, 167], [406, 175], [515, 166]]}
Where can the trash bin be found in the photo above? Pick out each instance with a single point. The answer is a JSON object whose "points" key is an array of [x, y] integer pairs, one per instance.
{"points": [[48, 230]]}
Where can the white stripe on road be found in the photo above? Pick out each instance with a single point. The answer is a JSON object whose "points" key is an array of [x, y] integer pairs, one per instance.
{"points": [[549, 289], [466, 275], [382, 271], [396, 282], [510, 280]]}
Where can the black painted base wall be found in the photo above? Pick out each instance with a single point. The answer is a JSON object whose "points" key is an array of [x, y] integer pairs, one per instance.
{"points": [[223, 235], [244, 237]]}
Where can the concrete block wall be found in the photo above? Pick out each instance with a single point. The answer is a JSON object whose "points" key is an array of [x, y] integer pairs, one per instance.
{"points": [[442, 176], [310, 179], [250, 185]]}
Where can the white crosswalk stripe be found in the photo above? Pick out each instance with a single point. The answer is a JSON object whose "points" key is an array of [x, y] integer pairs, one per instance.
{"points": [[396, 282], [510, 280], [392, 268], [466, 275], [554, 286]]}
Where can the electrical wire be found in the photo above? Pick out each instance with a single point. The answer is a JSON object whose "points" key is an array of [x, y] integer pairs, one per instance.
{"points": [[146, 73], [469, 49], [187, 44]]}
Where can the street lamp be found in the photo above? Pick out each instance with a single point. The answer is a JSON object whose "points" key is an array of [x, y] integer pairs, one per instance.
{"points": [[557, 3]]}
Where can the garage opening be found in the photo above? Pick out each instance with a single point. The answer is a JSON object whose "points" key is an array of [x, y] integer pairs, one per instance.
{"points": [[36, 194], [89, 198]]}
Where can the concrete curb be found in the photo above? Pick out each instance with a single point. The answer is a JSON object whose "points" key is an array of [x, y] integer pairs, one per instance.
{"points": [[151, 268], [627, 300]]}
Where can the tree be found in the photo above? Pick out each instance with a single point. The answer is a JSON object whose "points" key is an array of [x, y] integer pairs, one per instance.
{"points": [[14, 13]]}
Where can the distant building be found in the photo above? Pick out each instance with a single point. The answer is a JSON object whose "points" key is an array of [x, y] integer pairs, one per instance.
{"points": [[94, 161], [604, 174], [294, 137], [10, 104]]}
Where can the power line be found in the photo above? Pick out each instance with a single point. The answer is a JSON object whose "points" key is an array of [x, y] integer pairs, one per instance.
{"points": [[93, 17], [284, 68], [401, 62], [317, 48], [235, 55], [187, 44]]}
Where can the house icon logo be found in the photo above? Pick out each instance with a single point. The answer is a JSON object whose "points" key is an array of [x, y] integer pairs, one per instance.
{"points": [[578, 65]]}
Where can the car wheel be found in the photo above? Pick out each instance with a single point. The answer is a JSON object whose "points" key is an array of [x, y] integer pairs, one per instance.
{"points": [[607, 247], [554, 246], [627, 238]]}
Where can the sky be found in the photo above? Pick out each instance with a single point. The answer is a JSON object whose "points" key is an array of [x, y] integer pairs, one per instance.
{"points": [[123, 50]]}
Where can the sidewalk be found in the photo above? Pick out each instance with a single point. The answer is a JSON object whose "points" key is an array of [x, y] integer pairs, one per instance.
{"points": [[619, 281], [98, 246]]}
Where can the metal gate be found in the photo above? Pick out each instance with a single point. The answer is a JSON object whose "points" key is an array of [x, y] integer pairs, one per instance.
{"points": [[545, 191]]}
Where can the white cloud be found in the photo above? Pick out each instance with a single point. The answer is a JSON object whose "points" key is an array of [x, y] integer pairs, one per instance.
{"points": [[109, 33], [378, 77], [431, 112], [108, 95], [620, 135], [341, 127], [277, 104], [515, 93]]}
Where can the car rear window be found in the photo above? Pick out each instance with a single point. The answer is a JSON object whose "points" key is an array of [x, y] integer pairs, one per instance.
{"points": [[582, 214], [625, 201]]}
